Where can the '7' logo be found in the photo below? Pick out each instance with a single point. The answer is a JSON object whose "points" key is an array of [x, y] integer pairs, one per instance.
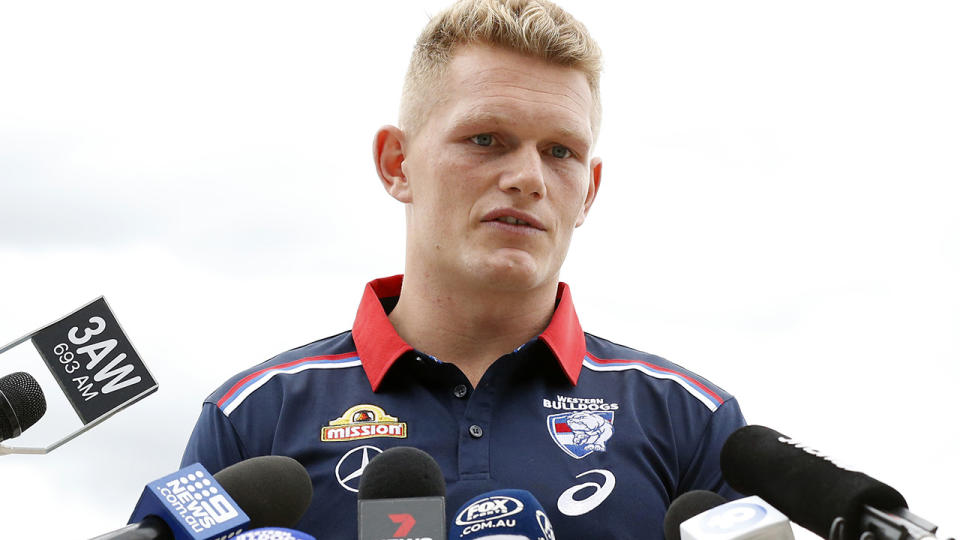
{"points": [[405, 521]]}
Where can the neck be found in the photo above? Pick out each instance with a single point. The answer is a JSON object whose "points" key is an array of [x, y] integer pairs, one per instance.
{"points": [[469, 328]]}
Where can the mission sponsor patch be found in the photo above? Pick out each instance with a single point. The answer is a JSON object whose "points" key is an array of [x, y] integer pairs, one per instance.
{"points": [[363, 422]]}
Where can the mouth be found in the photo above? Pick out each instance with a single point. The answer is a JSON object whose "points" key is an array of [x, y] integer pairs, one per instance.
{"points": [[512, 221], [514, 218]]}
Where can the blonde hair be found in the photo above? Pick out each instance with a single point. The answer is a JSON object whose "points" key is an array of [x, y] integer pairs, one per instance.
{"points": [[538, 28]]}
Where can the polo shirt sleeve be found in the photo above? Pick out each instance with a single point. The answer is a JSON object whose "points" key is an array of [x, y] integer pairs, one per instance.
{"points": [[703, 471], [214, 442]]}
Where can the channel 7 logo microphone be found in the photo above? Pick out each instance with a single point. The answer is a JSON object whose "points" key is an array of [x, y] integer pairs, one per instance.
{"points": [[402, 497]]}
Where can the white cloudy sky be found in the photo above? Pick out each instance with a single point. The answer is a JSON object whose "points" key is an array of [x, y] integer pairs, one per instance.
{"points": [[777, 213]]}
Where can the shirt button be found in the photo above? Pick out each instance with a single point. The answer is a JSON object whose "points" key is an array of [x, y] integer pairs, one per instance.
{"points": [[460, 390], [476, 431]]}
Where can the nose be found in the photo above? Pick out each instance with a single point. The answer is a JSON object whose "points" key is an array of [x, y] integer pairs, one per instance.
{"points": [[524, 173]]}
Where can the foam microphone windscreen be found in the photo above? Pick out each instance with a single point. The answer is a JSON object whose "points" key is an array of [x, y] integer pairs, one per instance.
{"points": [[402, 472], [686, 506], [799, 481], [22, 403], [274, 491]]}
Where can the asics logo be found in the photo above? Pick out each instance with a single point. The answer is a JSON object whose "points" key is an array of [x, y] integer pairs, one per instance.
{"points": [[571, 506]]}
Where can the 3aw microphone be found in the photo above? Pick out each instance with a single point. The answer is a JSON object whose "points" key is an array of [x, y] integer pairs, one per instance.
{"points": [[813, 491], [22, 403], [95, 366], [704, 515], [401, 496], [504, 514], [192, 504]]}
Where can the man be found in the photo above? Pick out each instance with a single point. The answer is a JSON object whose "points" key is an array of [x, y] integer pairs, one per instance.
{"points": [[475, 354]]}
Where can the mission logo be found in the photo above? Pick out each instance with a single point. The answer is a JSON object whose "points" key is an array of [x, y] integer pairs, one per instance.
{"points": [[363, 422]]}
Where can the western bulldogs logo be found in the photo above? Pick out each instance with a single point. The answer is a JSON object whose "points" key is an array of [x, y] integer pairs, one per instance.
{"points": [[581, 433]]}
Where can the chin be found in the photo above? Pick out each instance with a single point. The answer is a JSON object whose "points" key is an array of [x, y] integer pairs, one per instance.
{"points": [[510, 274]]}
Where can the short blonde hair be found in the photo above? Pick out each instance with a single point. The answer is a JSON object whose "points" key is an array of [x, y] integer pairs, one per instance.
{"points": [[538, 28]]}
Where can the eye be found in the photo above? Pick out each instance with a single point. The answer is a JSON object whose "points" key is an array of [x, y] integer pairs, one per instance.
{"points": [[560, 152], [484, 139]]}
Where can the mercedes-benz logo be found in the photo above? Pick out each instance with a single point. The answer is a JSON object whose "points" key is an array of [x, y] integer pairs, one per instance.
{"points": [[351, 466]]}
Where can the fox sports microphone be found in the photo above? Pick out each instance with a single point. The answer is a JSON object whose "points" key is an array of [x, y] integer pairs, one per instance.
{"points": [[504, 514], [273, 533], [192, 504], [703, 515], [813, 491], [401, 495], [21, 404]]}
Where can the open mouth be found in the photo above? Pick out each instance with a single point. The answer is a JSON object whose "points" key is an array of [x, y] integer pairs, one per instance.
{"points": [[512, 221], [515, 218]]}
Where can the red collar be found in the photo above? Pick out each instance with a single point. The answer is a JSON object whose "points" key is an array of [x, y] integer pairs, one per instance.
{"points": [[379, 346]]}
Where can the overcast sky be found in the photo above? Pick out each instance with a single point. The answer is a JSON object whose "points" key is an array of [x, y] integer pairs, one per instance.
{"points": [[777, 213]]}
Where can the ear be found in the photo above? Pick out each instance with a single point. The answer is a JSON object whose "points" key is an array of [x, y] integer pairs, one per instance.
{"points": [[596, 165], [388, 158]]}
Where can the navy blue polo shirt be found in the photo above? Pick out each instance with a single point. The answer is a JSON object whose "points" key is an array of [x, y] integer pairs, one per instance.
{"points": [[603, 435]]}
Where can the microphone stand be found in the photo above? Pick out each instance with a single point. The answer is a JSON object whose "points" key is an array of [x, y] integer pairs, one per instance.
{"points": [[898, 524]]}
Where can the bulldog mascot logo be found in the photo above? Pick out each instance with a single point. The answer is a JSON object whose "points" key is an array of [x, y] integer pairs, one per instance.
{"points": [[582, 433]]}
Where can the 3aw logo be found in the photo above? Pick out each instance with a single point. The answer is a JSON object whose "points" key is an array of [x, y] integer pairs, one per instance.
{"points": [[93, 361]]}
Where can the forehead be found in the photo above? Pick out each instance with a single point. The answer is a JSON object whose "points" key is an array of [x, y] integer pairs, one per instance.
{"points": [[487, 81]]}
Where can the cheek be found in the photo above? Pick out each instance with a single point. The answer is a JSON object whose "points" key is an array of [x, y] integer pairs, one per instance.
{"points": [[443, 198], [457, 182], [570, 196]]}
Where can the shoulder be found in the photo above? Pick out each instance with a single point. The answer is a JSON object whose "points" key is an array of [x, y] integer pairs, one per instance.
{"points": [[336, 352], [658, 374]]}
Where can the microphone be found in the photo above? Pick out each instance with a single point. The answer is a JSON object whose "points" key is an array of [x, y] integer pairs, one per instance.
{"points": [[687, 506], [273, 533], [274, 491], [815, 492], [750, 518], [192, 504], [504, 514], [95, 366], [401, 495], [21, 404]]}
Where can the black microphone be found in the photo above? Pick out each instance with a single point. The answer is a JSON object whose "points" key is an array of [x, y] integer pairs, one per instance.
{"points": [[21, 404], [687, 506], [273, 491], [813, 491], [401, 495]]}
